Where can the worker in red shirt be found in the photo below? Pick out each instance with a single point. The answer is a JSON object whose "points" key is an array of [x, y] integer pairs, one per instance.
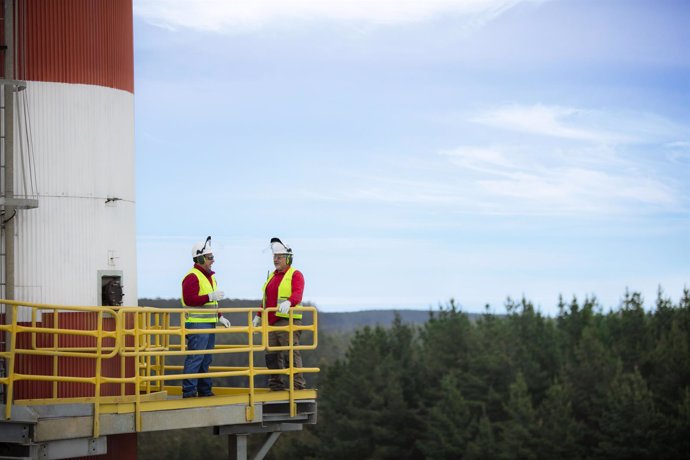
{"points": [[283, 289], [200, 289]]}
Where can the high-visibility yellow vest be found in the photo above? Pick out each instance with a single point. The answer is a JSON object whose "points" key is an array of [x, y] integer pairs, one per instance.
{"points": [[284, 292], [205, 288]]}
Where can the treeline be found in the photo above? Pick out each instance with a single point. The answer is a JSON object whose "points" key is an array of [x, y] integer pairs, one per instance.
{"points": [[586, 384]]}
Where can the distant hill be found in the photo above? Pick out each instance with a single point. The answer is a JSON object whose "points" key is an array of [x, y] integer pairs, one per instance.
{"points": [[346, 322], [328, 322], [175, 303]]}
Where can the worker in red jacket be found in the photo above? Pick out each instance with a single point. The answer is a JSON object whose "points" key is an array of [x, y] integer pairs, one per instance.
{"points": [[283, 289], [200, 290]]}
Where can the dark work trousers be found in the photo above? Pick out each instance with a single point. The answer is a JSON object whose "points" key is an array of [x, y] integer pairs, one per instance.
{"points": [[281, 359]]}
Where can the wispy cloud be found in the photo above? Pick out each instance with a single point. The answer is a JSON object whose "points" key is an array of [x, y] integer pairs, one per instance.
{"points": [[592, 164], [574, 191], [490, 160], [233, 16], [517, 180], [596, 126], [562, 122], [552, 163]]}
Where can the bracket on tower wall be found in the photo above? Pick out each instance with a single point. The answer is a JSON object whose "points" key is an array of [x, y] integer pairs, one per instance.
{"points": [[18, 203], [16, 85]]}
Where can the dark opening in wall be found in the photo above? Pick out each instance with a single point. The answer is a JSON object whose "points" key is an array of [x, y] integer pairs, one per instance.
{"points": [[111, 291]]}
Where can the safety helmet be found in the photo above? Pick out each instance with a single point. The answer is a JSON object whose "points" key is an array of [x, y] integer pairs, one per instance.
{"points": [[278, 247], [202, 248]]}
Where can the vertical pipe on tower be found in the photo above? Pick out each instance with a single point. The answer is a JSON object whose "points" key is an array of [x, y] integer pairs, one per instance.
{"points": [[9, 153]]}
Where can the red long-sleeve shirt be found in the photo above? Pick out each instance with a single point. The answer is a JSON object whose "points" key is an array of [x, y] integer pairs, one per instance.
{"points": [[272, 292], [190, 288]]}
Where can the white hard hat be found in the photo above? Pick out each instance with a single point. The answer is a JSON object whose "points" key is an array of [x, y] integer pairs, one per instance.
{"points": [[278, 247], [202, 248]]}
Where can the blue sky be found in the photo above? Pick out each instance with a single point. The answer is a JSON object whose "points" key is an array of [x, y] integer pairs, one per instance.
{"points": [[414, 152]]}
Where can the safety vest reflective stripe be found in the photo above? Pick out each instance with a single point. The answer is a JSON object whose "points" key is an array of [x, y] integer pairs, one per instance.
{"points": [[284, 292], [205, 288]]}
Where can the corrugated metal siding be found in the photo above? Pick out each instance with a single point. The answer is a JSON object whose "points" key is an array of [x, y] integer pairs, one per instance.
{"points": [[75, 41], [120, 447], [83, 154], [68, 366], [84, 132]]}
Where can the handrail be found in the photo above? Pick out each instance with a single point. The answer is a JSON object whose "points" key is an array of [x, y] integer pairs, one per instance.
{"points": [[131, 348]]}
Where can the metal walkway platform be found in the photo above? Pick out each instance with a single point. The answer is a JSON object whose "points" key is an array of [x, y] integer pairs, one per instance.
{"points": [[65, 430]]}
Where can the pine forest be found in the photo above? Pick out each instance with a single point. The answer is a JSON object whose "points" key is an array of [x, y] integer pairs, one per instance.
{"points": [[585, 384]]}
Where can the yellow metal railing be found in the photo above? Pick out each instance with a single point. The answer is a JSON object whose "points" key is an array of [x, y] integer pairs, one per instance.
{"points": [[131, 351]]}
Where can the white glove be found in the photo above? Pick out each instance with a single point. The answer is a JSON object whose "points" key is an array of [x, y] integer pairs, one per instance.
{"points": [[215, 296], [257, 321], [224, 321], [284, 307]]}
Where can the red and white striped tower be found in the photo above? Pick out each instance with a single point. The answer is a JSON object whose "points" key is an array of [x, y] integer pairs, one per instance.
{"points": [[67, 171]]}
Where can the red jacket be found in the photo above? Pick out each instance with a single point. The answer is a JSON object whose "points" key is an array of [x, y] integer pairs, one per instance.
{"points": [[272, 292], [190, 288]]}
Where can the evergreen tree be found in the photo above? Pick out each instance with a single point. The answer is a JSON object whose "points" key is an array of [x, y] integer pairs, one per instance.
{"points": [[558, 431], [629, 335], [671, 369], [483, 446], [534, 347], [349, 399], [677, 442], [451, 423], [401, 424], [573, 319], [588, 374], [490, 369], [630, 424], [518, 432], [663, 315], [366, 413], [446, 340]]}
